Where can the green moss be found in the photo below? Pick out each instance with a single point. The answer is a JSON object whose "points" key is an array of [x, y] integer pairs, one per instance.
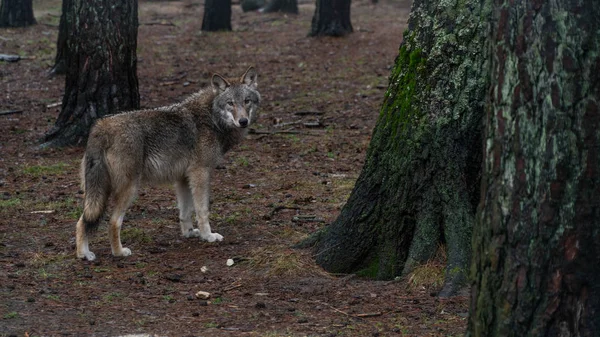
{"points": [[371, 271], [135, 235], [400, 108], [4, 204], [40, 170]]}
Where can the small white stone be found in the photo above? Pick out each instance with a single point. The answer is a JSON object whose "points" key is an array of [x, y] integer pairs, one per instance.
{"points": [[204, 269], [203, 295], [229, 262]]}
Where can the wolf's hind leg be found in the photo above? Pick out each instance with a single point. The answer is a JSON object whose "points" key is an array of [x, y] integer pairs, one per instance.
{"points": [[123, 197], [185, 202], [81, 240], [200, 185]]}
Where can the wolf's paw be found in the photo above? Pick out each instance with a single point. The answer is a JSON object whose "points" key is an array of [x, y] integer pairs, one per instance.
{"points": [[192, 233], [212, 237], [87, 255], [124, 252]]}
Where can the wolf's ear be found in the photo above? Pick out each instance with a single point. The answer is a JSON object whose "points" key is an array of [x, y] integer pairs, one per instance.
{"points": [[250, 78], [219, 83]]}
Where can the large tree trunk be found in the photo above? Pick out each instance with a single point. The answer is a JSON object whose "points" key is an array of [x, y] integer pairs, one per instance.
{"points": [[285, 6], [536, 259], [331, 18], [420, 182], [217, 15], [101, 67], [16, 13], [60, 61]]}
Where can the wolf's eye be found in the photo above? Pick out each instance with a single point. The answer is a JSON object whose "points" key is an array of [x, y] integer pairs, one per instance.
{"points": [[230, 103], [247, 101]]}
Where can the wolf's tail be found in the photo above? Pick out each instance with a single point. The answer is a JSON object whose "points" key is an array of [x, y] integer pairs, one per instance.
{"points": [[97, 187]]}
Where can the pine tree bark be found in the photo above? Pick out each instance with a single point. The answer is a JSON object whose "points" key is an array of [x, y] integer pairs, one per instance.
{"points": [[284, 6], [537, 246], [60, 62], [217, 15], [101, 62], [331, 18], [16, 13], [419, 186]]}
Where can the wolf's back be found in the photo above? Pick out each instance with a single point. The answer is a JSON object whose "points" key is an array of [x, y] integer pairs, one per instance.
{"points": [[97, 183]]}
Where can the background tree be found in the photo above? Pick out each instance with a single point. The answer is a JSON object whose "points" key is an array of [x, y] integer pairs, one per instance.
{"points": [[217, 15], [332, 18], [16, 13], [537, 245], [419, 186], [101, 62], [251, 5], [285, 6], [60, 63]]}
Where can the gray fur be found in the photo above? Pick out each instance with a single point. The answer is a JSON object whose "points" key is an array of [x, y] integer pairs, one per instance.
{"points": [[178, 144]]}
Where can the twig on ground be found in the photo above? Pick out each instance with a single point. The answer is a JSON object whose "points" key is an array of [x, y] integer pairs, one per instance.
{"points": [[308, 113], [159, 23], [10, 112]]}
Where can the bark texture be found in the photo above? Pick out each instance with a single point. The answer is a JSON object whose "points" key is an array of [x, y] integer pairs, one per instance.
{"points": [[16, 13], [217, 15], [101, 61], [331, 18], [419, 186], [285, 6], [537, 246], [60, 61]]}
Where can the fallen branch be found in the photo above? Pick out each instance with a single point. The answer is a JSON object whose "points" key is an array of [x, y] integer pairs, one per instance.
{"points": [[368, 314], [282, 207], [9, 58], [363, 315], [308, 113], [10, 112], [231, 287], [159, 23], [43, 212], [285, 132]]}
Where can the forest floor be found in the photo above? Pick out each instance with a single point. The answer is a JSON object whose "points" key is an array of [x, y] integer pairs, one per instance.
{"points": [[288, 179]]}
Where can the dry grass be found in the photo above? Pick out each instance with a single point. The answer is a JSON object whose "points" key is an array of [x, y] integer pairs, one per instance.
{"points": [[430, 275], [284, 261]]}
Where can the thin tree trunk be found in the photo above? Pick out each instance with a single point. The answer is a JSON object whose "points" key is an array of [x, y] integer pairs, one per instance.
{"points": [[331, 18], [419, 186], [217, 15], [537, 245], [101, 67], [16, 13]]}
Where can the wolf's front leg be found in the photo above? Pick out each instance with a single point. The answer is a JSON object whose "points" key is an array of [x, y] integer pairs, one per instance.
{"points": [[199, 182]]}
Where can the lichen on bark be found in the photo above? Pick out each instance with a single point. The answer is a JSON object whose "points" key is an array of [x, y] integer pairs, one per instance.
{"points": [[538, 239], [419, 186]]}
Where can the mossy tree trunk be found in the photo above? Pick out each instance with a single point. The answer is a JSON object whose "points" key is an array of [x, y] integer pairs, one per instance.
{"points": [[101, 62], [331, 18], [16, 13], [60, 60], [536, 262], [217, 15], [419, 186], [285, 6]]}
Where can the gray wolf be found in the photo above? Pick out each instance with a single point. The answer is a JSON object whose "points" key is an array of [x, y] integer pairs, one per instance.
{"points": [[179, 144]]}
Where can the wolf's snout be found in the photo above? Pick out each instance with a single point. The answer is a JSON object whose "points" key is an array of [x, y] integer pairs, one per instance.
{"points": [[243, 122]]}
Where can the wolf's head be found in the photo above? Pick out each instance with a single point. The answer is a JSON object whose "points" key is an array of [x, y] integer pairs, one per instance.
{"points": [[237, 100]]}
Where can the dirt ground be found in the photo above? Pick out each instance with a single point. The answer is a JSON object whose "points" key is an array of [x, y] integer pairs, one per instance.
{"points": [[321, 98]]}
